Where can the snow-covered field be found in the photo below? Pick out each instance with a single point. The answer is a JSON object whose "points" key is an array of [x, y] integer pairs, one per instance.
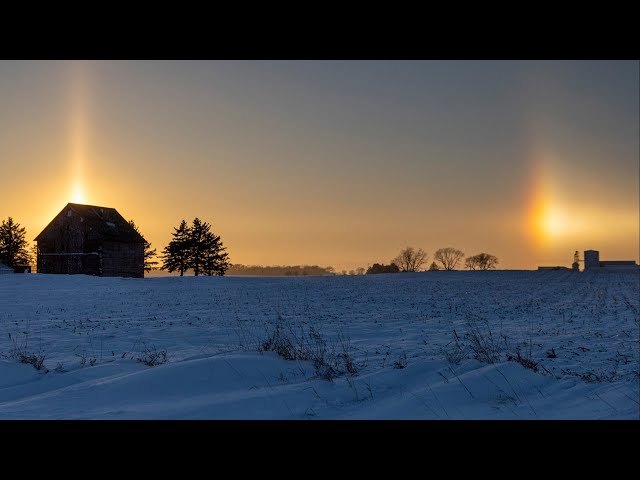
{"points": [[438, 345]]}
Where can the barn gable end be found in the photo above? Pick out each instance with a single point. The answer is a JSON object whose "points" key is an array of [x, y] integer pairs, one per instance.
{"points": [[91, 240]]}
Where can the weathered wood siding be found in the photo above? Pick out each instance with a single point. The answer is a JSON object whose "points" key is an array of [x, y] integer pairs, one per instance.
{"points": [[66, 235], [121, 259], [69, 264]]}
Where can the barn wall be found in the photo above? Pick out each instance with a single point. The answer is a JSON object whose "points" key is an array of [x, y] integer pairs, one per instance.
{"points": [[64, 235], [69, 264], [120, 259]]}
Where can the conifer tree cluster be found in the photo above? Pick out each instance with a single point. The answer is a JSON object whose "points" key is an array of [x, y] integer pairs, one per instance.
{"points": [[197, 248], [13, 244]]}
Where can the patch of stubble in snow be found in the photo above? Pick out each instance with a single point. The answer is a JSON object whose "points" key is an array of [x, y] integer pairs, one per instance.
{"points": [[211, 328]]}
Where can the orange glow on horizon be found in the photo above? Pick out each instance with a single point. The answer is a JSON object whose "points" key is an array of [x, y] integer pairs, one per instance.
{"points": [[162, 142], [547, 219], [556, 221], [543, 219]]}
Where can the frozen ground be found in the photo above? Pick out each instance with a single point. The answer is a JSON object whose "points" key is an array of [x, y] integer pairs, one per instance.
{"points": [[441, 345]]}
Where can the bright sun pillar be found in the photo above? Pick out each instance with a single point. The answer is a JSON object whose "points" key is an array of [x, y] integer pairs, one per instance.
{"points": [[78, 132], [77, 195]]}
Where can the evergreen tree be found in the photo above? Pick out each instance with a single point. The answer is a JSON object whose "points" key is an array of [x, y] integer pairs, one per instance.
{"points": [[13, 246], [208, 255], [197, 248], [149, 255], [200, 238], [216, 260], [177, 255]]}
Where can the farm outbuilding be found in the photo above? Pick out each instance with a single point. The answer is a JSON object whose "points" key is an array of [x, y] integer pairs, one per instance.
{"points": [[90, 240], [593, 263], [4, 269]]}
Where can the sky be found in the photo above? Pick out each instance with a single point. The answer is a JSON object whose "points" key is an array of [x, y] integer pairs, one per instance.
{"points": [[339, 163]]}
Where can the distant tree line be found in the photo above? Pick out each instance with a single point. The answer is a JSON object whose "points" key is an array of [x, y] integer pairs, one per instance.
{"points": [[279, 270], [289, 270], [411, 260], [382, 268], [354, 271]]}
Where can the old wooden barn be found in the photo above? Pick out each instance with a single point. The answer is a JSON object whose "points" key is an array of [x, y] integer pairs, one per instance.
{"points": [[90, 240]]}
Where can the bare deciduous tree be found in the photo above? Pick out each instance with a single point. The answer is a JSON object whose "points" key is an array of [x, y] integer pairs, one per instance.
{"points": [[448, 257], [410, 260], [482, 261]]}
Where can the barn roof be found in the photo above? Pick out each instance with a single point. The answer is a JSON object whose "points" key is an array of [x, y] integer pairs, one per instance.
{"points": [[104, 223]]}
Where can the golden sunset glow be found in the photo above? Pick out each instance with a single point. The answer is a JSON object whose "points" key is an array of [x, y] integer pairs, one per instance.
{"points": [[543, 219], [555, 222], [77, 195], [558, 220], [548, 219], [333, 163]]}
